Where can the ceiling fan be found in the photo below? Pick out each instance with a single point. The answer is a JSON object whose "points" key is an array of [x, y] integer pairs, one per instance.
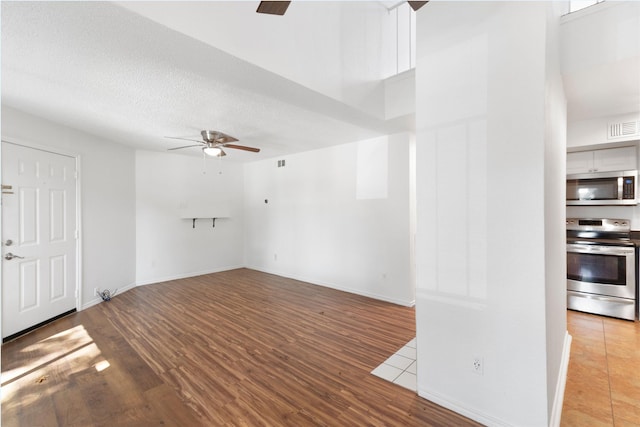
{"points": [[212, 143], [280, 7]]}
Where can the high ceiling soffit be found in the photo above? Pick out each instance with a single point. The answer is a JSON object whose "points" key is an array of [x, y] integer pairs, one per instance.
{"points": [[102, 69]]}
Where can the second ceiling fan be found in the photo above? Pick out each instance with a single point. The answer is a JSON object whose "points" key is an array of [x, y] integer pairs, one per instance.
{"points": [[280, 7]]}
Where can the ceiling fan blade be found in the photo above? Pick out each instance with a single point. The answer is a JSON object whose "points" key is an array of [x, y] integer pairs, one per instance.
{"points": [[242, 147], [273, 7], [185, 146], [183, 139], [415, 5]]}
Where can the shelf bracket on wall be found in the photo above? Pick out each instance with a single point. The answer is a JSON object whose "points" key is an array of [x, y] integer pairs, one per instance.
{"points": [[194, 222]]}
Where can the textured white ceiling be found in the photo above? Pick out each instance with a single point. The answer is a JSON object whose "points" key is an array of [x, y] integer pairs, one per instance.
{"points": [[102, 69]]}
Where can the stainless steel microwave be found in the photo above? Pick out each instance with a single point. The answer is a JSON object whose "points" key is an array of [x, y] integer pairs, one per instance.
{"points": [[603, 188]]}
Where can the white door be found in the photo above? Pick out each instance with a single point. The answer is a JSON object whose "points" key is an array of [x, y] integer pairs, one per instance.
{"points": [[38, 236]]}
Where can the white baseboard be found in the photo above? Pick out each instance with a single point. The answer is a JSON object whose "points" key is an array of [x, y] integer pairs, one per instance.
{"points": [[556, 410], [98, 300], [405, 303], [154, 280], [448, 403]]}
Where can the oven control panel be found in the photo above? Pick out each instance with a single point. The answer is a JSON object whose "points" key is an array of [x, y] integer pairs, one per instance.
{"points": [[598, 224]]}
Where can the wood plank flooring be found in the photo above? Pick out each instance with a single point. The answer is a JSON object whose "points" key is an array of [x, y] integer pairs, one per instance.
{"points": [[603, 382], [238, 348]]}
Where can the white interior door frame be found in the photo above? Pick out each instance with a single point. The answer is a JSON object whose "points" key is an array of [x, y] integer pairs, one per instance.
{"points": [[78, 210]]}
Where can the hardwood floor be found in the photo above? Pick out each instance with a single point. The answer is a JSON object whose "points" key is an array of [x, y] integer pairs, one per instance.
{"points": [[250, 349], [235, 348], [603, 383]]}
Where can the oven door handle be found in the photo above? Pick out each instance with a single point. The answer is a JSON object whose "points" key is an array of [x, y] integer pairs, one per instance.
{"points": [[600, 250]]}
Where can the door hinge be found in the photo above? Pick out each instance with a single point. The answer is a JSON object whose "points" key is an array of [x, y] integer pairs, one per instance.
{"points": [[76, 234], [75, 174]]}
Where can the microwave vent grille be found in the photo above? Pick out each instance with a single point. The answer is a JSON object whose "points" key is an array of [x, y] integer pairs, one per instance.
{"points": [[624, 129]]}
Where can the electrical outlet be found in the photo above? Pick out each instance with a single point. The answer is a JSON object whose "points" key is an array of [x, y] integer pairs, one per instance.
{"points": [[275, 257], [478, 365], [96, 292]]}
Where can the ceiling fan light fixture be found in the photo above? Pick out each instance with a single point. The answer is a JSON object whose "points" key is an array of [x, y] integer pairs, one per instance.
{"points": [[212, 151]]}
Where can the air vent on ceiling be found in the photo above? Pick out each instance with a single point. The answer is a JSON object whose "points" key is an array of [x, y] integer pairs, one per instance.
{"points": [[623, 129]]}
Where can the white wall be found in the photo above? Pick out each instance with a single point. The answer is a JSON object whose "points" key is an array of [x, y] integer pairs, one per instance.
{"points": [[108, 198], [167, 186], [593, 131], [484, 106], [337, 217], [555, 264], [600, 49], [400, 95]]}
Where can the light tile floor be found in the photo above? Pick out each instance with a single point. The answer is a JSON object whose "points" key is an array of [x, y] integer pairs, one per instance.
{"points": [[400, 368], [603, 382]]}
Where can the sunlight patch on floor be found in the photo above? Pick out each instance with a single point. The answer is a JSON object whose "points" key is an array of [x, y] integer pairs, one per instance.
{"points": [[55, 360]]}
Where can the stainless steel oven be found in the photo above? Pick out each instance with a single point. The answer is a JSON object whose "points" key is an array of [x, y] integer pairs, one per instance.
{"points": [[601, 267]]}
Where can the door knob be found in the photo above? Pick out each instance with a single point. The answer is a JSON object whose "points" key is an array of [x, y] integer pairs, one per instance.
{"points": [[9, 256]]}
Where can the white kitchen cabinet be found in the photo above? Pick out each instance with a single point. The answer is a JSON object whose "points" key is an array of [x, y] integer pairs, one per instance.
{"points": [[607, 160], [579, 162]]}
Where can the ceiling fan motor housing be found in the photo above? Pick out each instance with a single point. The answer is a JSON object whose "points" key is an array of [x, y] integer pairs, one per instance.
{"points": [[217, 137]]}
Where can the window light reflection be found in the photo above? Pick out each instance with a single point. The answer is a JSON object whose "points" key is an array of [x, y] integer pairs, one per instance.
{"points": [[575, 5], [101, 366]]}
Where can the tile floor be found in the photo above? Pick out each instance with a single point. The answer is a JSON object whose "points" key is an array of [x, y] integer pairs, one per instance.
{"points": [[400, 368], [603, 382]]}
